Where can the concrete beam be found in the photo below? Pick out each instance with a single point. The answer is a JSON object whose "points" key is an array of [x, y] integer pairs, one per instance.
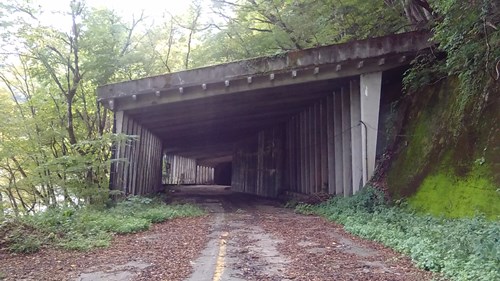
{"points": [[293, 64]]}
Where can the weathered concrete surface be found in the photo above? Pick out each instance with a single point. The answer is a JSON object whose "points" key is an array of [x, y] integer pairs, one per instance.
{"points": [[370, 84], [334, 54]]}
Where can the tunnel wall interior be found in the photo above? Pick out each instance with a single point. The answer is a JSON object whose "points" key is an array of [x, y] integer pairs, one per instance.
{"points": [[323, 149], [310, 153], [138, 170], [182, 170], [257, 163]]}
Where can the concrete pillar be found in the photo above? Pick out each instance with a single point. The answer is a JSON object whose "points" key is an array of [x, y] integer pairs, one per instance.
{"points": [[357, 163], [337, 123], [330, 143], [346, 142], [303, 148], [311, 168], [370, 86], [117, 182], [324, 146]]}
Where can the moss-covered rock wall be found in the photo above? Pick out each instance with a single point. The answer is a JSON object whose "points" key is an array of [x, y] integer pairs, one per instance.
{"points": [[442, 166]]}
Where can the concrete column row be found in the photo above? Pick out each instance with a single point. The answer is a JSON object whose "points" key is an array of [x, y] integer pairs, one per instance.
{"points": [[257, 166], [137, 165], [331, 145], [306, 141], [182, 170], [204, 175]]}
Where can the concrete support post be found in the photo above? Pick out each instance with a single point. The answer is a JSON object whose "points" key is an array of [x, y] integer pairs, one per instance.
{"points": [[370, 86], [324, 146], [346, 142], [116, 167], [337, 121], [357, 163], [303, 162], [331, 143]]}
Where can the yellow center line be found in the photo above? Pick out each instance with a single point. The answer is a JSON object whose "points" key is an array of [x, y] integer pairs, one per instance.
{"points": [[220, 263]]}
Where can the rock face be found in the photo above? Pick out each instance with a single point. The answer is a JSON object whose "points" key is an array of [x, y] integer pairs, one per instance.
{"points": [[446, 163]]}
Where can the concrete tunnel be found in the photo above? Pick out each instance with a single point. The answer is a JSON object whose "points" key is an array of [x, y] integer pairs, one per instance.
{"points": [[303, 122]]}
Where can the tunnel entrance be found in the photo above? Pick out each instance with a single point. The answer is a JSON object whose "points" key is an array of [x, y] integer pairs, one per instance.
{"points": [[222, 173], [306, 121]]}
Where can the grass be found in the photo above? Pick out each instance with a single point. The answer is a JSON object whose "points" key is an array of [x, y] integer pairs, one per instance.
{"points": [[86, 228], [461, 249]]}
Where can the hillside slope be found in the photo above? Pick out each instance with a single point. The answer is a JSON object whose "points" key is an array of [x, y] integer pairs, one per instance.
{"points": [[442, 164]]}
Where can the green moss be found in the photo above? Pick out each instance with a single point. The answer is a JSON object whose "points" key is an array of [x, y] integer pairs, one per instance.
{"points": [[423, 126], [447, 168], [446, 194], [410, 162]]}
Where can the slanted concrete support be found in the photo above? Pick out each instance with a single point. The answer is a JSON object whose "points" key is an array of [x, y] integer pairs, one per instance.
{"points": [[357, 163], [370, 86]]}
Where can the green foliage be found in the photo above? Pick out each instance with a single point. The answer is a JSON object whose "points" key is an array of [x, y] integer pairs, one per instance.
{"points": [[462, 249], [268, 27], [22, 243], [86, 228], [468, 40]]}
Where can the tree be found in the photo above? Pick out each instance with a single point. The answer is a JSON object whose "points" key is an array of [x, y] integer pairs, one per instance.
{"points": [[250, 28], [56, 147]]}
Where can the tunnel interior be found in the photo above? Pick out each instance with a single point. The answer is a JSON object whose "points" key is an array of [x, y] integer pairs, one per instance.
{"points": [[202, 136], [228, 127]]}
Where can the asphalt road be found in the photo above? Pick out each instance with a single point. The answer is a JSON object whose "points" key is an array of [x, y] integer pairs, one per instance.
{"points": [[257, 239]]}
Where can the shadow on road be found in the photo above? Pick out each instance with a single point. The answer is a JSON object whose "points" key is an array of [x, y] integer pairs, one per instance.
{"points": [[206, 195]]}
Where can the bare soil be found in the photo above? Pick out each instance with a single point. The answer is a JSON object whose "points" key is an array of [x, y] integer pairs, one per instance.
{"points": [[241, 238]]}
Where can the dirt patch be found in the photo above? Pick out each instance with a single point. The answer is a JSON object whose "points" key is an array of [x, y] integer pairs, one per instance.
{"points": [[122, 272]]}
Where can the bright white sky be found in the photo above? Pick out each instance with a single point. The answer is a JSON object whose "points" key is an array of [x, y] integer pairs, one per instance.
{"points": [[127, 7]]}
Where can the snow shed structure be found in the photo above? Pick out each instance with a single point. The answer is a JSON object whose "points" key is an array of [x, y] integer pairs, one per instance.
{"points": [[305, 121]]}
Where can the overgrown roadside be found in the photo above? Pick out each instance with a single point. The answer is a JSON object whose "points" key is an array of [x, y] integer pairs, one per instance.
{"points": [[162, 253], [87, 227], [462, 249], [56, 233]]}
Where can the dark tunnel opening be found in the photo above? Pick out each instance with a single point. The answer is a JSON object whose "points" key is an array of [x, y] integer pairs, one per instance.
{"points": [[223, 173]]}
